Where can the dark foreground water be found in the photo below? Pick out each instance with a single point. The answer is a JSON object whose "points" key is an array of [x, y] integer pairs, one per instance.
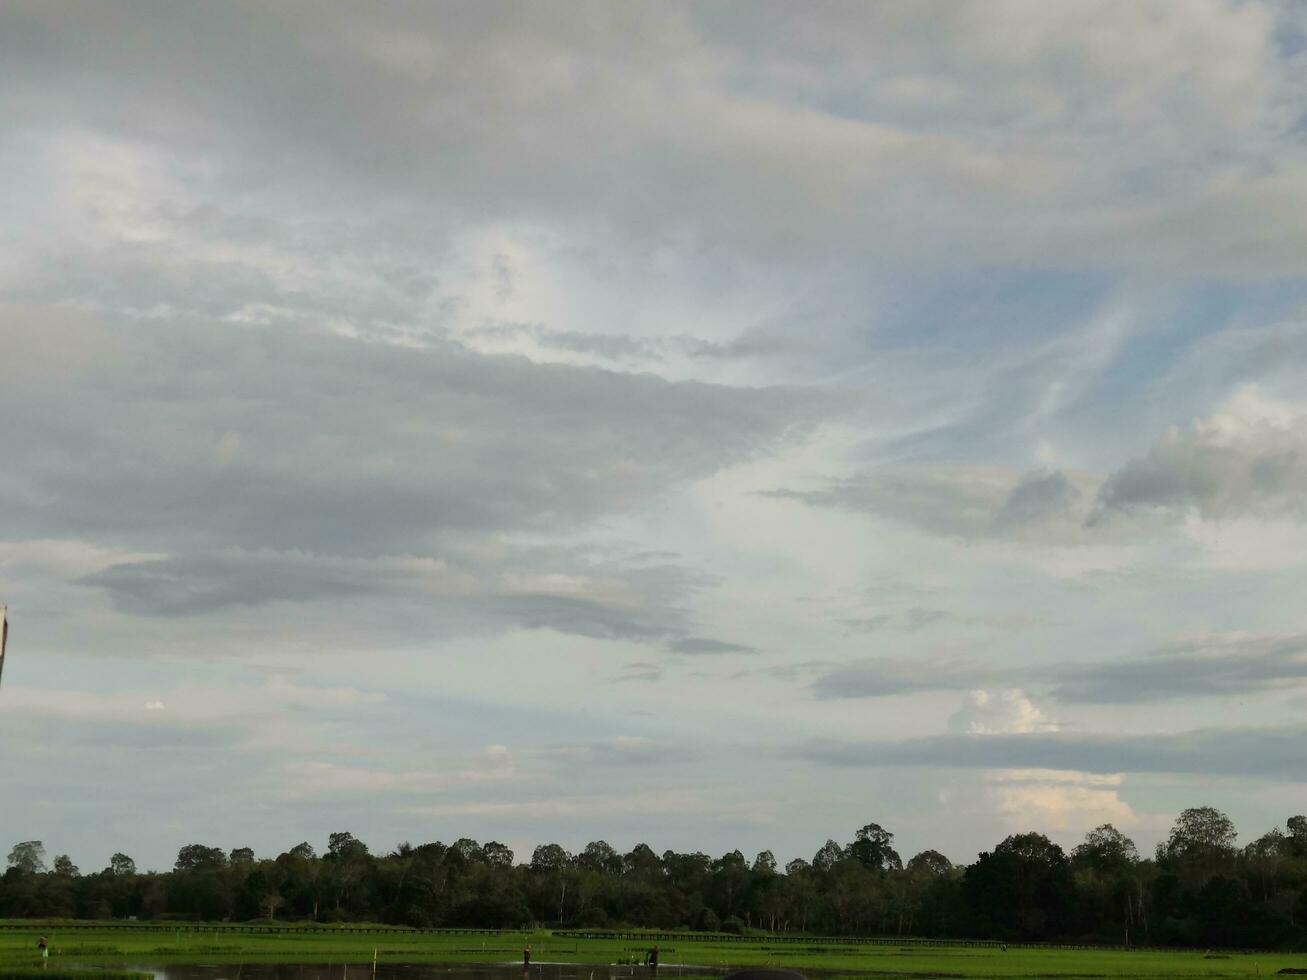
{"points": [[421, 971]]}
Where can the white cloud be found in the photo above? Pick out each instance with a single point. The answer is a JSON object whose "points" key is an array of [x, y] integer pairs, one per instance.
{"points": [[999, 712], [1058, 802]]}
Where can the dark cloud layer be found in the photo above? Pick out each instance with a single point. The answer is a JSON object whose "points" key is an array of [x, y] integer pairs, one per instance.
{"points": [[302, 440], [275, 465], [1221, 666], [1218, 667], [700, 645], [1220, 469], [886, 677], [559, 111], [957, 501], [1269, 753]]}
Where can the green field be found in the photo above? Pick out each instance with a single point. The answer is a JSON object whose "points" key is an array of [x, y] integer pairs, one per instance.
{"points": [[85, 944]]}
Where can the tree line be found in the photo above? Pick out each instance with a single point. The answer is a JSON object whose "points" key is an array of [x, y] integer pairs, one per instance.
{"points": [[1198, 889]]}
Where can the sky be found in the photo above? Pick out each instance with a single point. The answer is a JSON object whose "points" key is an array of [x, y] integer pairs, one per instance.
{"points": [[710, 425]]}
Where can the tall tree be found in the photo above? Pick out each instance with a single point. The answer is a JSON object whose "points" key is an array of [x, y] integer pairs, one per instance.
{"points": [[873, 847], [550, 857], [196, 857], [343, 844], [1200, 844], [1106, 850], [28, 857], [929, 863], [1023, 889], [599, 856], [827, 856], [1297, 827]]}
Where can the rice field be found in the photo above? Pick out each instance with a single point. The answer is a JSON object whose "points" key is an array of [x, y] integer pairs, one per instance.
{"points": [[104, 947]]}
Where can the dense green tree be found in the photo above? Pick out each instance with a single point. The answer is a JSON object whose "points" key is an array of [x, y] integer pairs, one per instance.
{"points": [[196, 857], [828, 856], [873, 847], [497, 854], [1106, 850], [548, 858], [1201, 890], [1022, 889], [1200, 843], [343, 845], [641, 861], [552, 877], [1297, 827], [601, 857], [929, 863], [28, 857], [468, 850], [1106, 871]]}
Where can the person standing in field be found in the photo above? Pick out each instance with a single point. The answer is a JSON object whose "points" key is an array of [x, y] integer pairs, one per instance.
{"points": [[43, 945], [526, 957]]}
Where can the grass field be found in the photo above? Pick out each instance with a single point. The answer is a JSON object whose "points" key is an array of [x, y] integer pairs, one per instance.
{"points": [[85, 944]]}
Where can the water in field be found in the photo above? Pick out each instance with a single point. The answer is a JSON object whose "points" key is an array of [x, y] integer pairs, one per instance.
{"points": [[422, 971]]}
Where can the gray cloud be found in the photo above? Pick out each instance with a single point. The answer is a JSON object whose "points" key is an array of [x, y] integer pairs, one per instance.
{"points": [[296, 440], [870, 624], [961, 501], [936, 501], [267, 465], [918, 618], [1249, 460], [108, 739], [208, 583], [1270, 753], [1036, 498], [700, 645], [581, 617], [1224, 467], [464, 105], [638, 670], [888, 676], [561, 589], [1220, 666], [623, 750], [607, 346]]}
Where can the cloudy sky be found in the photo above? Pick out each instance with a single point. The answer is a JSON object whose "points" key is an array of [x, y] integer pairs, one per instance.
{"points": [[712, 425]]}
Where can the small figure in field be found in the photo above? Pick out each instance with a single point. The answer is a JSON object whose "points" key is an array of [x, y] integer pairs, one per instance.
{"points": [[43, 945], [651, 960], [526, 956], [1004, 947]]}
